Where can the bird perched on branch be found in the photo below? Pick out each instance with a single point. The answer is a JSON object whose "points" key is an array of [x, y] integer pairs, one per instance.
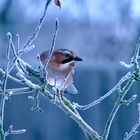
{"points": [[60, 69]]}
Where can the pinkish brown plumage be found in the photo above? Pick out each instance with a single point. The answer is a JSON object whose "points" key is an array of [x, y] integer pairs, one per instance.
{"points": [[60, 65]]}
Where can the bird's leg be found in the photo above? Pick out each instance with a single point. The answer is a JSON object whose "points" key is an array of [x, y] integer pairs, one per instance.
{"points": [[60, 94], [54, 89]]}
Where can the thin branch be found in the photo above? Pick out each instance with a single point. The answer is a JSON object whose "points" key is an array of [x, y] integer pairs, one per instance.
{"points": [[27, 82], [93, 134], [34, 35], [2, 103], [135, 127], [69, 111], [137, 50], [29, 48], [51, 51], [14, 51], [135, 75], [11, 77], [21, 74], [22, 66], [40, 64], [18, 91], [116, 108], [134, 60], [18, 44], [85, 107], [16, 55], [10, 131], [11, 43], [53, 43], [130, 100], [62, 86], [36, 99], [128, 66]]}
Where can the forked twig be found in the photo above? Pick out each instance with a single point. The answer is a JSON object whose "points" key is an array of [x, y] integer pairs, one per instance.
{"points": [[85, 107], [135, 75], [134, 128]]}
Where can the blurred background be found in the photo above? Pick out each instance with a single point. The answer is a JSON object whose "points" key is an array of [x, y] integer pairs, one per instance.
{"points": [[103, 33]]}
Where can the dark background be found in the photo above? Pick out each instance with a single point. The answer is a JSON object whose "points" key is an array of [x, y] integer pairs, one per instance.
{"points": [[102, 33]]}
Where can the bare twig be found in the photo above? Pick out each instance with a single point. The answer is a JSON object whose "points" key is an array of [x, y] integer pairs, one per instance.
{"points": [[130, 100], [23, 66], [10, 131], [11, 77], [34, 35], [29, 48], [53, 44], [50, 52], [68, 108], [116, 108], [14, 51], [135, 127], [27, 82], [40, 64], [84, 107], [128, 66], [36, 99], [2, 103], [135, 75], [62, 86], [11, 43], [18, 45], [134, 60], [32, 86], [18, 91], [137, 50]]}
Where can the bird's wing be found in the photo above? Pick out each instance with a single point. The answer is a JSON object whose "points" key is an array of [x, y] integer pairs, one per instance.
{"points": [[72, 72], [71, 89], [68, 86], [43, 56]]}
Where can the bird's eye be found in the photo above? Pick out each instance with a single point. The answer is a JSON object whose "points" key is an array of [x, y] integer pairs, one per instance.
{"points": [[67, 55]]}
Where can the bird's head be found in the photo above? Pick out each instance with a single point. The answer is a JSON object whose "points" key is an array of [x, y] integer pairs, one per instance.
{"points": [[61, 58]]}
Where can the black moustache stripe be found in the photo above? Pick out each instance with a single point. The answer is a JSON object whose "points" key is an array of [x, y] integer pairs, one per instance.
{"points": [[69, 59]]}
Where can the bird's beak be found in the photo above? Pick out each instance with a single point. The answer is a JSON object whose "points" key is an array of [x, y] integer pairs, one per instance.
{"points": [[78, 58]]}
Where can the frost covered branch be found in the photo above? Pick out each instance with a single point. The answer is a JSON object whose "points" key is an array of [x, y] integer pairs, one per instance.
{"points": [[84, 107], [135, 127], [135, 75], [37, 30], [26, 71], [10, 131], [9, 67], [3, 87], [53, 43]]}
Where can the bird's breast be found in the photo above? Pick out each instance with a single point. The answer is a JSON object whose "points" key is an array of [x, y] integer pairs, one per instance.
{"points": [[56, 77]]}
